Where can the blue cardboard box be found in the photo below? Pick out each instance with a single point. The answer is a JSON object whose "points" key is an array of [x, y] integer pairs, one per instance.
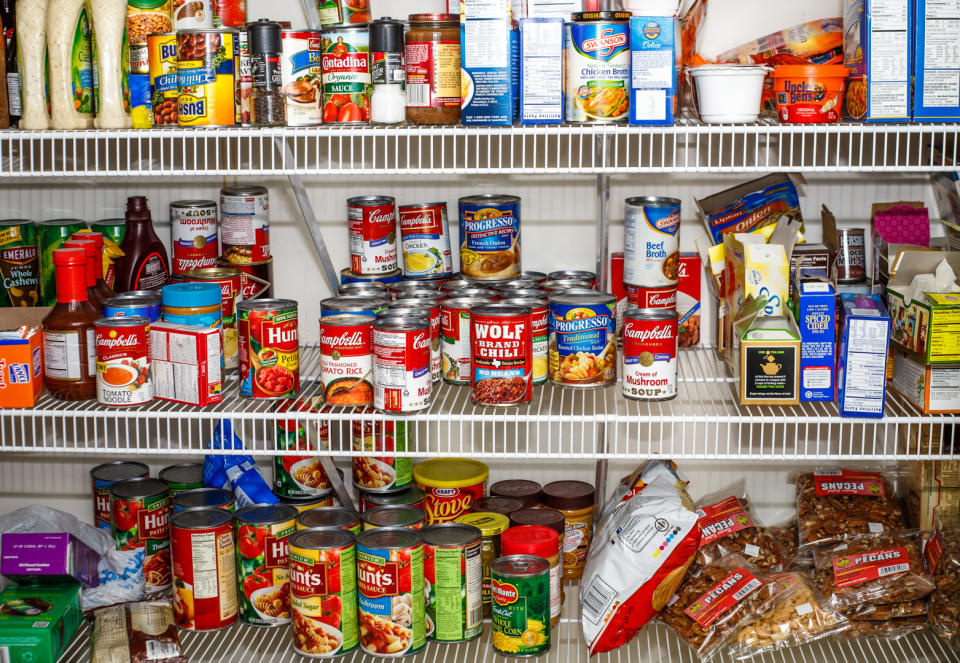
{"points": [[815, 311], [877, 51], [654, 63], [541, 71], [489, 67], [936, 65], [862, 368]]}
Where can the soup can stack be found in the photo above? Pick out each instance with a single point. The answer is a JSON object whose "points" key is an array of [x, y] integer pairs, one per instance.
{"points": [[651, 255], [245, 237]]}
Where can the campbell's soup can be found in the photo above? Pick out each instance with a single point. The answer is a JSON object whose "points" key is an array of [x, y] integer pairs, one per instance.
{"points": [[573, 275], [597, 57], [345, 73], [230, 281], [641, 297], [372, 225], [413, 307], [650, 354], [346, 359], [540, 329], [455, 337], [204, 569], [244, 223], [425, 239], [501, 354], [401, 368], [651, 249], [123, 360], [268, 348], [193, 234]]}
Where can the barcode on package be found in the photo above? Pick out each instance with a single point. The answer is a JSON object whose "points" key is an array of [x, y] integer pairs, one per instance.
{"points": [[890, 570], [418, 94], [746, 589], [476, 614], [597, 599], [158, 649]]}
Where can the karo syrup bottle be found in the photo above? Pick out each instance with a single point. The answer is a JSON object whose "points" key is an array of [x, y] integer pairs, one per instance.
{"points": [[144, 265]]}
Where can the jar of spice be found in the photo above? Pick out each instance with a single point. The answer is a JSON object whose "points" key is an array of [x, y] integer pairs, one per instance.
{"points": [[574, 499], [539, 541], [387, 100], [502, 505], [528, 492], [267, 102], [433, 69], [193, 303], [491, 526]]}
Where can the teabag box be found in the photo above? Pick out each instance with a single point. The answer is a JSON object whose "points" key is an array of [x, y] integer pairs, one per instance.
{"points": [[769, 361], [862, 365]]}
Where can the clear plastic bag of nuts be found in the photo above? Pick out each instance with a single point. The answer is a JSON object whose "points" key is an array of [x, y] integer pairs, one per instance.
{"points": [[879, 612], [942, 557], [785, 537], [890, 629], [729, 526]]}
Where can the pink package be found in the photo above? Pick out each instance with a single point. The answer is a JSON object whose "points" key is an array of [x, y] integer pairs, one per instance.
{"points": [[903, 224]]}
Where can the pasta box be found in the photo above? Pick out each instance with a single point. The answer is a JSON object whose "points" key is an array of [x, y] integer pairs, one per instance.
{"points": [[936, 67], [21, 356], [37, 621], [541, 71], [930, 327], [489, 63], [57, 556], [932, 388], [815, 311], [770, 361], [862, 363], [654, 64]]}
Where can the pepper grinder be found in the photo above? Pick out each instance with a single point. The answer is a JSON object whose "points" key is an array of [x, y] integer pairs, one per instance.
{"points": [[387, 100], [267, 103]]}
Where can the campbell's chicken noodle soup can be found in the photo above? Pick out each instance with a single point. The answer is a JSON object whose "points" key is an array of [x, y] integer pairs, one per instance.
{"points": [[501, 354], [230, 281], [301, 476], [641, 297], [140, 520], [268, 348], [650, 354], [193, 235], [385, 472], [204, 569], [651, 249], [123, 360], [455, 337], [425, 239], [583, 349], [263, 562], [346, 359], [372, 226], [345, 73], [540, 331], [244, 223], [102, 477], [451, 485], [401, 369]]}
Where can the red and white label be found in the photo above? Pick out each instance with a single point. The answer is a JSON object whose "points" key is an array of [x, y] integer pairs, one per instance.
{"points": [[455, 339], [245, 228], [848, 482], [722, 519], [722, 597], [649, 358], [688, 299], [346, 351], [932, 552], [123, 364], [193, 234], [501, 363], [850, 570], [401, 369], [204, 562], [425, 240], [375, 580], [639, 297], [373, 238], [427, 65]]}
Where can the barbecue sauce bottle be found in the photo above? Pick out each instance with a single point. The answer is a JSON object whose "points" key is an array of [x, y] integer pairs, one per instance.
{"points": [[69, 352], [144, 265], [104, 292]]}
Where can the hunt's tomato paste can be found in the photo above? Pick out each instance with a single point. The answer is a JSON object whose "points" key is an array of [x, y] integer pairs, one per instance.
{"points": [[123, 360], [451, 485], [263, 562], [140, 519], [204, 569], [401, 364], [501, 354], [268, 348], [453, 572], [105, 475], [193, 234], [372, 225], [650, 354]]}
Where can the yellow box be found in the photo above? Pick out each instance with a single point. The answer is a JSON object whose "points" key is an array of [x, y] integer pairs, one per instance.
{"points": [[754, 268], [930, 329]]}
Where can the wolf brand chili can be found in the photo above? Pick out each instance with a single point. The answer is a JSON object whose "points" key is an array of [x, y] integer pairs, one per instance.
{"points": [[330, 517], [193, 234], [540, 330], [583, 349], [425, 239], [140, 520], [268, 348], [597, 67], [244, 223], [206, 76], [451, 485], [300, 476], [372, 225], [146, 303], [651, 250], [401, 368], [453, 573], [162, 65], [346, 359], [382, 473], [105, 475], [409, 496], [394, 515], [203, 499], [300, 76], [345, 64], [366, 304], [123, 361], [650, 354], [323, 592], [230, 281], [490, 237], [263, 562], [520, 593], [182, 477], [455, 337], [641, 297], [204, 569], [501, 354]]}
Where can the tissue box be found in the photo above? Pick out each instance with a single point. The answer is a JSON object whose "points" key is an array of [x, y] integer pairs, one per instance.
{"points": [[861, 370], [37, 621], [929, 329], [815, 311], [770, 362], [934, 388], [48, 557]]}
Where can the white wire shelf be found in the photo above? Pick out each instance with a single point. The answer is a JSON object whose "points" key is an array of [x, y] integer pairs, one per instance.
{"points": [[704, 422], [333, 150]]}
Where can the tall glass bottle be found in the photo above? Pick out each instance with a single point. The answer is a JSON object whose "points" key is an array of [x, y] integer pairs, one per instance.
{"points": [[144, 264], [11, 71]]}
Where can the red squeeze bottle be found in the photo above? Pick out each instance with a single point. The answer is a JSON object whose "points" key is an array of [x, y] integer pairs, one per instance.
{"points": [[89, 249], [105, 292], [144, 265], [69, 352]]}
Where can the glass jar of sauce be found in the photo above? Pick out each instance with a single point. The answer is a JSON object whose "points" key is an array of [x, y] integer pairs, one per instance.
{"points": [[432, 48]]}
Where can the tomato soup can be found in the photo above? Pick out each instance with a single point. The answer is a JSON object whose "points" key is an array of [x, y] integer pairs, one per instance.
{"points": [[346, 359], [244, 223], [451, 485], [300, 476], [105, 475], [453, 580], [262, 562], [204, 569], [230, 281], [140, 520], [123, 361], [409, 496], [300, 75], [372, 226], [597, 57], [162, 66], [583, 349], [206, 76], [641, 297], [330, 517], [389, 579], [414, 307], [425, 239], [540, 330], [394, 515], [401, 365], [204, 498], [268, 348], [651, 249], [501, 354], [323, 592], [455, 337], [520, 593], [385, 472], [367, 304], [650, 354], [182, 477], [193, 234], [490, 237], [345, 67], [145, 303]]}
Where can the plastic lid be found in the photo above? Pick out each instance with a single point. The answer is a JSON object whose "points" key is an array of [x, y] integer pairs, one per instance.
{"points": [[494, 504], [66, 257], [96, 238], [450, 472], [89, 247], [810, 71], [527, 492], [264, 36], [546, 517], [530, 540], [489, 524], [191, 294], [568, 495]]}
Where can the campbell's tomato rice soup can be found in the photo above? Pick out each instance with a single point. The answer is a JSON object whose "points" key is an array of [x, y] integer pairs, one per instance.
{"points": [[540, 330], [425, 239], [372, 226], [451, 485], [583, 349], [651, 251], [401, 369], [263, 562], [346, 359], [501, 354], [193, 235], [641, 297], [123, 360], [455, 337], [650, 354], [140, 520], [244, 223], [204, 569], [385, 472], [269, 348], [105, 475]]}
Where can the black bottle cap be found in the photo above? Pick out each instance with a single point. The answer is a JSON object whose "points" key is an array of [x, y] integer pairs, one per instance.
{"points": [[263, 36], [386, 36]]}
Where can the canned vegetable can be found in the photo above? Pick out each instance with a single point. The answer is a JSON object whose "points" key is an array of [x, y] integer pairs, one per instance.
{"points": [[204, 498], [491, 526], [453, 573], [268, 348], [394, 515], [410, 496], [345, 65], [182, 477], [520, 588], [263, 563], [204, 569], [140, 519]]}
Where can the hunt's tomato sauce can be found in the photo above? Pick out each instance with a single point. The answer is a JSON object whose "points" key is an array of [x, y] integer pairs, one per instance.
{"points": [[501, 354], [451, 485], [382, 473], [392, 611], [204, 569], [262, 562], [140, 519], [372, 226], [123, 360], [401, 364], [650, 354], [268, 348], [300, 476], [453, 572], [105, 475]]}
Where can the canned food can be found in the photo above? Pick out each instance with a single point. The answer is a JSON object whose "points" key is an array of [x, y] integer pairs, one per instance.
{"points": [[501, 354], [244, 78], [230, 281], [394, 515], [206, 75], [141, 101], [597, 57], [391, 600], [455, 337], [520, 589], [413, 307], [453, 575], [193, 234], [367, 288], [573, 275], [300, 476], [367, 305], [372, 225], [256, 278], [145, 17], [490, 526], [409, 496], [583, 348], [19, 263], [551, 285], [516, 284], [245, 223], [105, 475], [330, 517], [123, 361], [268, 348], [641, 297], [229, 13], [145, 303], [349, 276], [650, 354], [263, 562], [540, 330], [385, 473], [490, 237], [182, 477], [204, 569], [651, 245], [300, 76], [401, 368], [398, 287], [140, 520], [190, 14], [451, 485], [304, 504], [425, 239], [454, 286], [204, 498], [345, 66], [323, 592], [346, 359], [162, 66]]}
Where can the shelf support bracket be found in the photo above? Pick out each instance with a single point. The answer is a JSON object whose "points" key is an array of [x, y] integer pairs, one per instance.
{"points": [[602, 146]]}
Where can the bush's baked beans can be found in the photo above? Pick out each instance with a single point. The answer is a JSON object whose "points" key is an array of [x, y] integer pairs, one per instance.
{"points": [[583, 348], [401, 369], [162, 64], [451, 485], [204, 498], [372, 226], [390, 588], [105, 475], [268, 348], [193, 234], [651, 249], [394, 515], [455, 337], [385, 472], [369, 305], [140, 520], [263, 574], [123, 360], [540, 329], [323, 592], [204, 569], [520, 602], [244, 223], [301, 476], [230, 281], [650, 354], [425, 239], [453, 573], [346, 359], [573, 275], [490, 237], [410, 496], [413, 308], [330, 517], [206, 76], [641, 297], [501, 354]]}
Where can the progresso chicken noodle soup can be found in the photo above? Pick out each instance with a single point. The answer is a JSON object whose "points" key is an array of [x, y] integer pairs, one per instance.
{"points": [[490, 237], [598, 67], [583, 348]]}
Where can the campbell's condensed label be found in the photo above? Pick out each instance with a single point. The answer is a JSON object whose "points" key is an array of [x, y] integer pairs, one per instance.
{"points": [[346, 359], [651, 250], [455, 337], [123, 360], [193, 234], [501, 354], [650, 354], [372, 225], [401, 365], [640, 297], [425, 239]]}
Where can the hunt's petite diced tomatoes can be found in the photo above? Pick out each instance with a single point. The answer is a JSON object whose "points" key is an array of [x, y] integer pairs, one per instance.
{"points": [[262, 562], [140, 519], [204, 569], [102, 477], [268, 348]]}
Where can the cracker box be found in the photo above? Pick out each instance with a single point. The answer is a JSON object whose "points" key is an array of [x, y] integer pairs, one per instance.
{"points": [[21, 367], [933, 491], [688, 300], [37, 621], [654, 63], [770, 362], [933, 388], [862, 364], [928, 328], [489, 63], [54, 557], [186, 363], [541, 71], [815, 310], [936, 67]]}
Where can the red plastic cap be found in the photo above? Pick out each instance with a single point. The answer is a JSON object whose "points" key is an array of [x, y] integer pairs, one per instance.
{"points": [[530, 540], [67, 257], [89, 247], [96, 238]]}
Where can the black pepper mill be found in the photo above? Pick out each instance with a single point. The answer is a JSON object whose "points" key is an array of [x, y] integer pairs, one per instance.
{"points": [[267, 101]]}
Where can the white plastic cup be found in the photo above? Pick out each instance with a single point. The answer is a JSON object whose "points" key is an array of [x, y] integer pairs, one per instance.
{"points": [[729, 93]]}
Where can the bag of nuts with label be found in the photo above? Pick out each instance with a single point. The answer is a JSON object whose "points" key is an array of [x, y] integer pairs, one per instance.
{"points": [[890, 629], [878, 612], [785, 537], [729, 526], [942, 556]]}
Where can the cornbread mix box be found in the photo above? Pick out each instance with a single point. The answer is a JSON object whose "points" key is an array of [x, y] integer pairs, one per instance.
{"points": [[933, 388], [654, 65], [37, 621], [926, 324], [770, 361], [862, 363]]}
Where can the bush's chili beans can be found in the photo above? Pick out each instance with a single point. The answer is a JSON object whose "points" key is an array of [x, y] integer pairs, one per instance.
{"points": [[520, 602], [394, 515], [401, 369], [372, 226], [650, 354], [455, 337], [162, 64], [140, 520], [263, 574], [410, 496], [641, 297], [105, 475], [123, 360], [346, 359], [416, 309], [204, 569], [230, 281], [501, 354], [193, 234], [540, 329], [206, 78], [651, 250], [490, 237], [453, 574], [323, 592], [583, 349], [425, 239], [330, 517], [384, 473], [268, 348], [244, 223]]}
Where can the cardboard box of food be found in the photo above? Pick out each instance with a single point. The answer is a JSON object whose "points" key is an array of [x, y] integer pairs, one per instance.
{"points": [[186, 363], [21, 356], [933, 388], [816, 312], [936, 67], [541, 71], [770, 362], [933, 491], [37, 621], [876, 50], [654, 66], [862, 362], [54, 557], [489, 70], [929, 328], [689, 275]]}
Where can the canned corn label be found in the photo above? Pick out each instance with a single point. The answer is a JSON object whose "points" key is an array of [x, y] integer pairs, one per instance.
{"points": [[521, 614], [598, 72], [323, 598]]}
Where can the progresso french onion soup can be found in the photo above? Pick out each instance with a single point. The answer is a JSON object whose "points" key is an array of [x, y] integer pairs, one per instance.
{"points": [[520, 592], [490, 237], [598, 67], [583, 348]]}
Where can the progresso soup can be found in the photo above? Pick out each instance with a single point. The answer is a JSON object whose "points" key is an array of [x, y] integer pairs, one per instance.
{"points": [[206, 71], [145, 303], [583, 348], [651, 250], [453, 575], [598, 67], [490, 237]]}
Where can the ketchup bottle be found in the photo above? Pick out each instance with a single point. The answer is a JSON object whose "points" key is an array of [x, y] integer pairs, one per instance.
{"points": [[104, 292], [89, 249], [69, 352], [144, 265]]}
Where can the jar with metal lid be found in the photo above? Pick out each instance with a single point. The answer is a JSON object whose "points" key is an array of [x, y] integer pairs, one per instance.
{"points": [[575, 500], [491, 526], [539, 541], [433, 69], [268, 103]]}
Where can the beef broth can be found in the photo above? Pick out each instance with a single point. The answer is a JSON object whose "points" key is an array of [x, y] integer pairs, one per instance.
{"points": [[123, 360], [453, 573], [583, 350], [401, 369], [650, 354], [300, 76], [204, 569], [193, 234], [651, 253], [346, 359], [501, 354], [372, 225], [425, 239], [268, 348], [244, 223], [455, 337]]}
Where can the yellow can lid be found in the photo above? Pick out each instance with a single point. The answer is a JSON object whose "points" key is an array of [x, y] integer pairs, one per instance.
{"points": [[489, 524], [450, 472]]}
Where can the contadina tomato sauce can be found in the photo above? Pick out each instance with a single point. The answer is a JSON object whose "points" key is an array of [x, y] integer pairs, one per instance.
{"points": [[455, 337], [520, 592], [583, 349], [598, 67], [204, 569], [345, 74], [453, 575], [346, 359], [425, 239], [451, 485], [206, 72], [140, 519], [263, 562], [123, 360], [372, 227], [268, 348], [651, 250], [501, 354], [650, 354], [323, 592], [389, 583], [105, 475], [401, 365], [490, 237], [244, 224]]}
